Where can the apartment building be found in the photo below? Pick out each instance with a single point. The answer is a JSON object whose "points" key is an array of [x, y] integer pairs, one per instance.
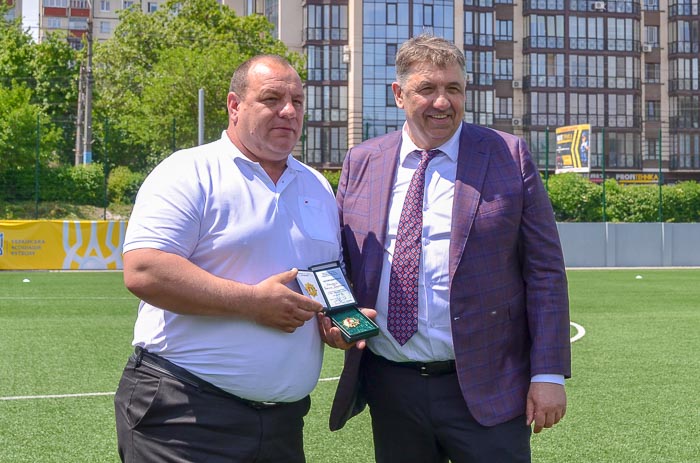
{"points": [[73, 17], [629, 68], [15, 10]]}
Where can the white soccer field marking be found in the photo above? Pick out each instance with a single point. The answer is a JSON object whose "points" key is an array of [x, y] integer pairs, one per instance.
{"points": [[580, 332]]}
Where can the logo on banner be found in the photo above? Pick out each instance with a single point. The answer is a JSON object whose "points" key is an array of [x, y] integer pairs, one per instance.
{"points": [[2, 244]]}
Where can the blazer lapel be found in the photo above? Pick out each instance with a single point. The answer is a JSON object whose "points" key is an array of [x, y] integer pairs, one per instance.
{"points": [[472, 165], [382, 170]]}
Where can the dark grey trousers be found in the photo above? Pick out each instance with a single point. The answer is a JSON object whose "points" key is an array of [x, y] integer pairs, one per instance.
{"points": [[417, 419], [161, 418]]}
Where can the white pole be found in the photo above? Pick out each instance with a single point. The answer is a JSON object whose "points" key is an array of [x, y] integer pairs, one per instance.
{"points": [[201, 116]]}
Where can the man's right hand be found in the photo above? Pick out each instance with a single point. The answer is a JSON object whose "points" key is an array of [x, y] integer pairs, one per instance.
{"points": [[277, 306]]}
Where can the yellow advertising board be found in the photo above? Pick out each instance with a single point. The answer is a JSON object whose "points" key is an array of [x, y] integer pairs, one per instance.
{"points": [[61, 245], [573, 148]]}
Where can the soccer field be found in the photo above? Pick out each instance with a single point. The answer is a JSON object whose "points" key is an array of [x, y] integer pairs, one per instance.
{"points": [[634, 395]]}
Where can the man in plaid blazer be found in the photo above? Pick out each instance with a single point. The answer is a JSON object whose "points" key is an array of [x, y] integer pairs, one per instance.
{"points": [[491, 352]]}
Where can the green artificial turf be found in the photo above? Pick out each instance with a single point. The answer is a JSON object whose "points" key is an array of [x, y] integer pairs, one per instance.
{"points": [[633, 396]]}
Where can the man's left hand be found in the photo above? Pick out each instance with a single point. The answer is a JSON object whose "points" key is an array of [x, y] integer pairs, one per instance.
{"points": [[546, 405], [332, 335]]}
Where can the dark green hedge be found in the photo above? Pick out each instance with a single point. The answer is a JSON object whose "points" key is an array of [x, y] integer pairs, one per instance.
{"points": [[576, 199]]}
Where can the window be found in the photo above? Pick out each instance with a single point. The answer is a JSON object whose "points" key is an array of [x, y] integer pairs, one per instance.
{"points": [[624, 149], [652, 148], [545, 108], [53, 23], [651, 5], [546, 31], [587, 108], [152, 7], [653, 110], [390, 101], [586, 33], [428, 15], [622, 110], [621, 34], [391, 13], [126, 4], [77, 24], [483, 65], [478, 28], [652, 73], [504, 108], [104, 5], [623, 72], [56, 3], [651, 36], [545, 69], [326, 22], [504, 69], [105, 27], [391, 49], [479, 106], [504, 29]]}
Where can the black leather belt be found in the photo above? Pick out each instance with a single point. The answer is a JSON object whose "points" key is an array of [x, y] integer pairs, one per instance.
{"points": [[155, 362], [444, 367]]}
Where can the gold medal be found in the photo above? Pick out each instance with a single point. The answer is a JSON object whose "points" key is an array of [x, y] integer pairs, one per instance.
{"points": [[311, 289], [351, 322]]}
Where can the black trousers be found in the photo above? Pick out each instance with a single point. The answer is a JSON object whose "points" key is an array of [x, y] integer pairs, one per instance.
{"points": [[424, 419], [163, 417]]}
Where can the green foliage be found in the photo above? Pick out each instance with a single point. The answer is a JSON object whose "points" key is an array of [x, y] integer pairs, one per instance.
{"points": [[333, 177], [149, 74], [36, 81], [56, 91], [575, 199], [123, 184], [16, 54], [632, 203], [18, 131], [681, 202]]}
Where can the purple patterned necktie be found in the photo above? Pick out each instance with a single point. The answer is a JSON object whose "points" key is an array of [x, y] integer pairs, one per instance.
{"points": [[402, 319]]}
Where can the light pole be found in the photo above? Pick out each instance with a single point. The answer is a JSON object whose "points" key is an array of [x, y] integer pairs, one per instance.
{"points": [[87, 141]]}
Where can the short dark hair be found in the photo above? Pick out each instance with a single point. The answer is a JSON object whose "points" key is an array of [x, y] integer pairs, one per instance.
{"points": [[239, 80], [426, 48]]}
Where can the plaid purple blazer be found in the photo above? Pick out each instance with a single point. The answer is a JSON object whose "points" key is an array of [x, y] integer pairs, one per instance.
{"points": [[508, 290]]}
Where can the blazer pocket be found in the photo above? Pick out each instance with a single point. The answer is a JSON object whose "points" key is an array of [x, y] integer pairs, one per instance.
{"points": [[495, 316]]}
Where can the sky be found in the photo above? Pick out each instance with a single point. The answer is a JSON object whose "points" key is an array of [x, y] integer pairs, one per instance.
{"points": [[30, 16]]}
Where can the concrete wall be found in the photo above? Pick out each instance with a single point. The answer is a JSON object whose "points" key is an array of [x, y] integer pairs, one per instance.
{"points": [[630, 244]]}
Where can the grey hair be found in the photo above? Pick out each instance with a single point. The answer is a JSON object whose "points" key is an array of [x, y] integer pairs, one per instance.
{"points": [[426, 48]]}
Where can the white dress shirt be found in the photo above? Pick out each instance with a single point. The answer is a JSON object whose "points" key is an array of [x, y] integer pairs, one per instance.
{"points": [[220, 210]]}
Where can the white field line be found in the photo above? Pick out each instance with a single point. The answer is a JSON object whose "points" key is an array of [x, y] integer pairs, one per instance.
{"points": [[580, 332]]}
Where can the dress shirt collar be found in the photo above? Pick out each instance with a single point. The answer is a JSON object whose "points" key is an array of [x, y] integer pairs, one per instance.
{"points": [[292, 162], [450, 147]]}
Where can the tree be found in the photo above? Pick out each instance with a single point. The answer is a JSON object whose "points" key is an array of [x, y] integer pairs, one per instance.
{"points": [[148, 75], [18, 134], [16, 54], [55, 73]]}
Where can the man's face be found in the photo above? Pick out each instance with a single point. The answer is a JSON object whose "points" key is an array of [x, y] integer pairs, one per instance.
{"points": [[433, 100], [266, 122]]}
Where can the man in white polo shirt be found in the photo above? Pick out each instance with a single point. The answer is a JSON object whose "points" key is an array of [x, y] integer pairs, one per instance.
{"points": [[226, 353]]}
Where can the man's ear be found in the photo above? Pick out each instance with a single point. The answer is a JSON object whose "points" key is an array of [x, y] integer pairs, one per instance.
{"points": [[398, 94], [232, 103]]}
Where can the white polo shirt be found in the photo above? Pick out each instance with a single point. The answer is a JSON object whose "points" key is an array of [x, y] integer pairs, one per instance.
{"points": [[218, 209]]}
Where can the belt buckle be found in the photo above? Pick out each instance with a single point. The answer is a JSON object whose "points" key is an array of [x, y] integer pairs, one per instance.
{"points": [[262, 405], [424, 370]]}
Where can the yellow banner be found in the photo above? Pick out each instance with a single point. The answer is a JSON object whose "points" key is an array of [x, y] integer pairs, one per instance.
{"points": [[573, 148], [61, 245]]}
